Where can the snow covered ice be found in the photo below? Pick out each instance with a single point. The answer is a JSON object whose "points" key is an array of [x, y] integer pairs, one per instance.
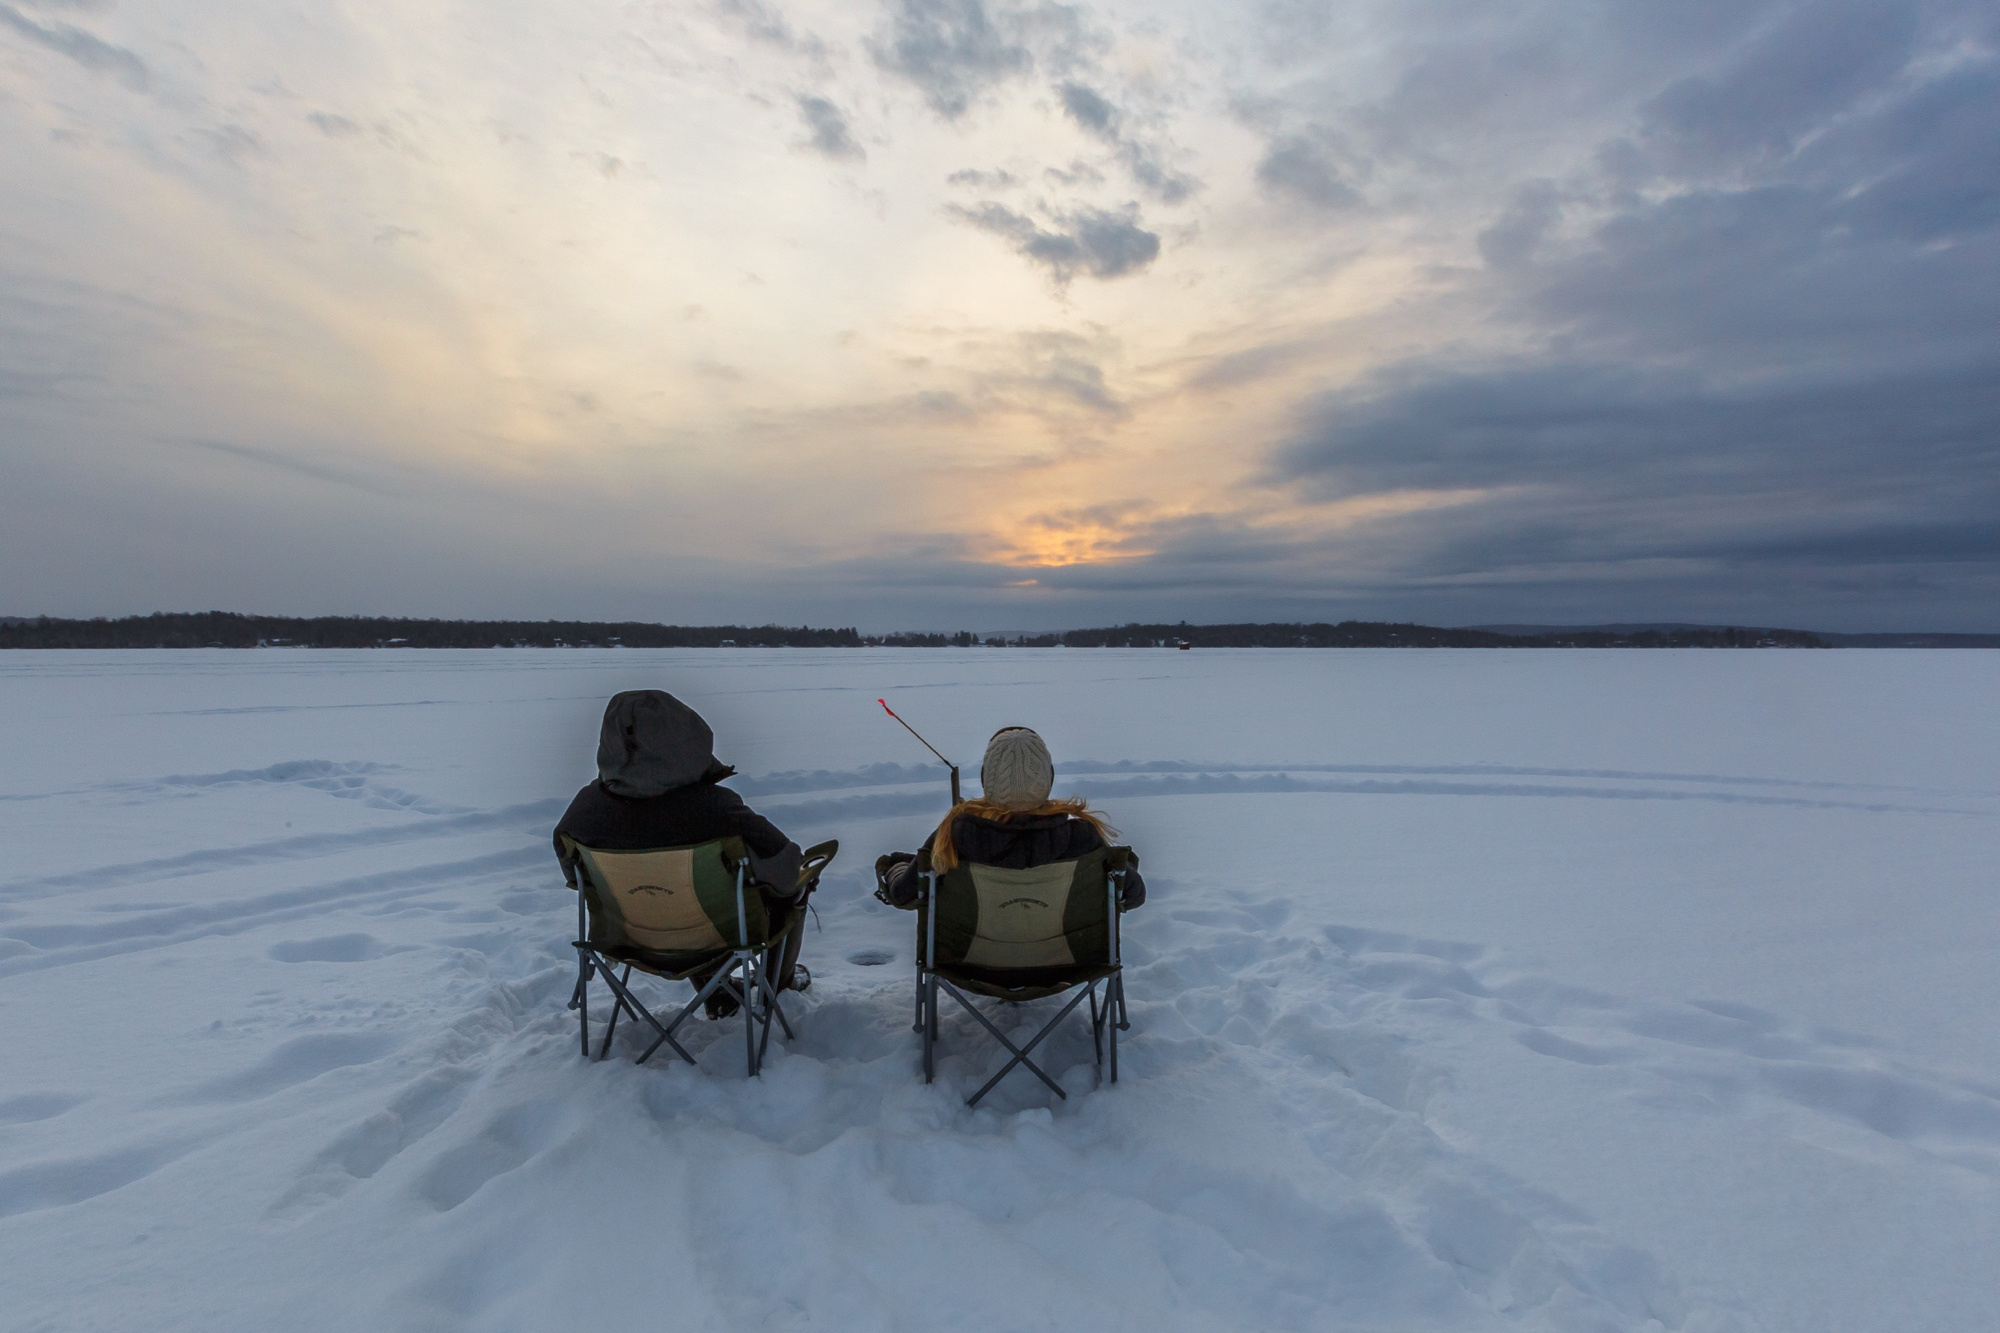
{"points": [[1477, 990]]}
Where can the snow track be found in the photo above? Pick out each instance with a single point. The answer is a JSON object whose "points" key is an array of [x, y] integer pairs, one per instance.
{"points": [[286, 1037]]}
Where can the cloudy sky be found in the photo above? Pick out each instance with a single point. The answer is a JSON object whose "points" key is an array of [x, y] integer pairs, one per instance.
{"points": [[940, 313]]}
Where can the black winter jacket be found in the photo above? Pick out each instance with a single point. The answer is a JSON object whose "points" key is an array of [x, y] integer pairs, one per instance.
{"points": [[1016, 844], [682, 817]]}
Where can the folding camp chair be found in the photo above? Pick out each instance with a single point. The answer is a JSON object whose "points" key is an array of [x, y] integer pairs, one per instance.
{"points": [[1018, 935], [679, 913]]}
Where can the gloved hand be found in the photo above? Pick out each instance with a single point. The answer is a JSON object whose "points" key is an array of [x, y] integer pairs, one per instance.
{"points": [[884, 864]]}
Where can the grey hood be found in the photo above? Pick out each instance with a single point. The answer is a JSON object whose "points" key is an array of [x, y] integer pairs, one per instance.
{"points": [[653, 743]]}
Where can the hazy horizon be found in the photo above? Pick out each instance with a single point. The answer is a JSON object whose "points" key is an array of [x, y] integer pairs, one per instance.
{"points": [[984, 633]]}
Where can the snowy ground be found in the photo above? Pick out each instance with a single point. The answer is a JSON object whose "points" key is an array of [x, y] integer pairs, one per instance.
{"points": [[1479, 990]]}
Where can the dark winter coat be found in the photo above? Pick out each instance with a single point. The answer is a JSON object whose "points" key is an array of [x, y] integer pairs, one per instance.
{"points": [[657, 788], [1014, 844]]}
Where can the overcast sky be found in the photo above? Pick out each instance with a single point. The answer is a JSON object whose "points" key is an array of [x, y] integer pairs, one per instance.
{"points": [[941, 313]]}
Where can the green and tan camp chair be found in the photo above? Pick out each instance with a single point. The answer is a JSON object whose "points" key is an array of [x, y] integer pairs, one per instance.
{"points": [[1018, 935], [678, 913]]}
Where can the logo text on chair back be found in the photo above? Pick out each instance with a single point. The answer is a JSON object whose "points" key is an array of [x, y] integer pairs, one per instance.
{"points": [[1021, 916], [653, 896]]}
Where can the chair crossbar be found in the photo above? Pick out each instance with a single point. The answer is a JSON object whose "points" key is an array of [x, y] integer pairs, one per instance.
{"points": [[618, 1007], [1020, 1052], [724, 979], [622, 996], [721, 980], [772, 1006]]}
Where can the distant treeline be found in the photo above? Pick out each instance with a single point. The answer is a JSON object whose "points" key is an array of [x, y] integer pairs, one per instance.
{"points": [[222, 629], [1912, 640], [1376, 634]]}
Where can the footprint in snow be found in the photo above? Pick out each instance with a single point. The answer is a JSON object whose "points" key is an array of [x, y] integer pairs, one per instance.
{"points": [[296, 1061], [29, 1107], [352, 948]]}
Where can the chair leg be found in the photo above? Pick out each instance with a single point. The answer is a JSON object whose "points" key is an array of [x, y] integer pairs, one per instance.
{"points": [[616, 1006], [749, 1018], [927, 1015], [1117, 981], [623, 999], [666, 1031], [717, 980], [1097, 1022], [1020, 1052], [580, 1001], [767, 996], [771, 999]]}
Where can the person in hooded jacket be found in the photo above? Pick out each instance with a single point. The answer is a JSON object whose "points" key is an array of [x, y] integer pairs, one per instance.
{"points": [[1013, 824], [657, 787]]}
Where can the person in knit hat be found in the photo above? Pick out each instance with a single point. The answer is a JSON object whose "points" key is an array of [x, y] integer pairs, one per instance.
{"points": [[1013, 823]]}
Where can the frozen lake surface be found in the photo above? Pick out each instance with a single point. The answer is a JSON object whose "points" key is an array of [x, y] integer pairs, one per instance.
{"points": [[1478, 990]]}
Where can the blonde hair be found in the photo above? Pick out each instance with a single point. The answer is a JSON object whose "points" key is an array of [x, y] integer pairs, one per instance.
{"points": [[944, 852]]}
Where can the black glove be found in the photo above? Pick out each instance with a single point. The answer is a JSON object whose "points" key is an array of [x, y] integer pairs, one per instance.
{"points": [[884, 864]]}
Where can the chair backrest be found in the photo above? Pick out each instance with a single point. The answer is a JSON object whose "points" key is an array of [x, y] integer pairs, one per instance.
{"points": [[1055, 915], [670, 900]]}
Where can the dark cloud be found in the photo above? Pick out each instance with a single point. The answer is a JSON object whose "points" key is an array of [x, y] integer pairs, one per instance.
{"points": [[331, 125], [1076, 173], [1305, 169], [1925, 163], [1096, 116], [1512, 238], [19, 384], [1056, 377], [1754, 342], [89, 51], [1097, 242], [1872, 245], [345, 476], [234, 144], [1064, 367], [768, 25], [951, 50], [1250, 365], [983, 180], [830, 134], [1154, 177], [1088, 108], [1596, 430], [1787, 82]]}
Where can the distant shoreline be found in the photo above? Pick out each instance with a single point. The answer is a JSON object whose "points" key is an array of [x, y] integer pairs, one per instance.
{"points": [[221, 629]]}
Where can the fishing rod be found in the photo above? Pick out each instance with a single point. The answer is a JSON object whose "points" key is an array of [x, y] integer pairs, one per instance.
{"points": [[928, 746]]}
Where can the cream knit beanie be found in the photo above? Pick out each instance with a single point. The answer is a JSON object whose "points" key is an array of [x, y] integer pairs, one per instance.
{"points": [[1017, 771]]}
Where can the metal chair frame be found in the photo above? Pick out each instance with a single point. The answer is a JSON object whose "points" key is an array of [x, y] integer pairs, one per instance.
{"points": [[753, 992], [1102, 1023]]}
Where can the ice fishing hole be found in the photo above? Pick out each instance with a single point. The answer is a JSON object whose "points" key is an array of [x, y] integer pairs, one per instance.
{"points": [[871, 957]]}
